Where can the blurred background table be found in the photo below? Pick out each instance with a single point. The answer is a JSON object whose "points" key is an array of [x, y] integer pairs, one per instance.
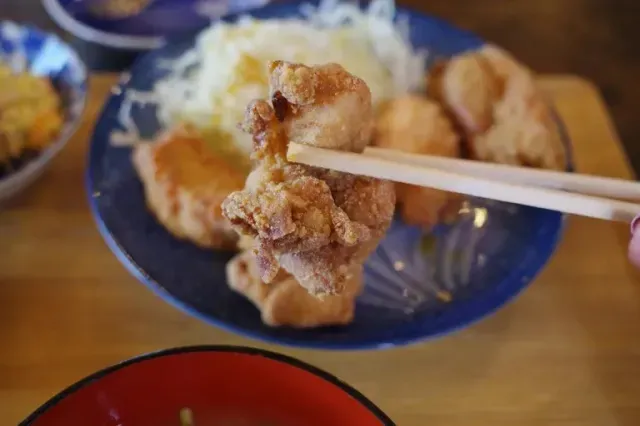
{"points": [[566, 352], [594, 38]]}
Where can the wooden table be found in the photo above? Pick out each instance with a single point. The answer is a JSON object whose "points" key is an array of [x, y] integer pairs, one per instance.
{"points": [[567, 352]]}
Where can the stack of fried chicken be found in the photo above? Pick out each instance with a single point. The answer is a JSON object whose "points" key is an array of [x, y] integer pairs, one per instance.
{"points": [[311, 225], [483, 101], [305, 232]]}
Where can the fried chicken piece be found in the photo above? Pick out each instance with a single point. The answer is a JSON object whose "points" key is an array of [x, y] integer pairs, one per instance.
{"points": [[327, 106], [313, 223], [505, 117], [368, 205], [416, 124], [316, 224], [284, 302], [470, 88], [184, 184], [297, 213]]}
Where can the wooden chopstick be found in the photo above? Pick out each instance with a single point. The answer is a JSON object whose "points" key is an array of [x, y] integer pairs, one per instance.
{"points": [[585, 184], [383, 168]]}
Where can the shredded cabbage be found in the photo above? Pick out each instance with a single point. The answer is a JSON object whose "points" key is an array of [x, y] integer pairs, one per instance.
{"points": [[211, 84]]}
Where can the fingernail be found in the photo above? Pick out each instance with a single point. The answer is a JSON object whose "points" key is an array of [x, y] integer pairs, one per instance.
{"points": [[634, 224]]}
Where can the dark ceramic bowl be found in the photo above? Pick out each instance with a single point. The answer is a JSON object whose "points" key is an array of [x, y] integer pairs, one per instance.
{"points": [[218, 384], [109, 43]]}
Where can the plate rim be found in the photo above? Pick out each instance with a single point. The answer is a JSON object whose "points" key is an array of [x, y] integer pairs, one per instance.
{"points": [[87, 33]]}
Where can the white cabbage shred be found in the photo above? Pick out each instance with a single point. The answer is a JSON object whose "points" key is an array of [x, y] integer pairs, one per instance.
{"points": [[211, 84]]}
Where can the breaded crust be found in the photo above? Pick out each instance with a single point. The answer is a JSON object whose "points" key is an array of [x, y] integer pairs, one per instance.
{"points": [[418, 125], [185, 184], [284, 302], [504, 116]]}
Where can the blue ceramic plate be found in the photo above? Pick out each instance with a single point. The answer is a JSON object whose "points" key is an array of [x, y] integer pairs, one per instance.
{"points": [[24, 48], [482, 261], [145, 29]]}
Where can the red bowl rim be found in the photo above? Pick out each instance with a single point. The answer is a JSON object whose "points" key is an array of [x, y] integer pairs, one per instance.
{"points": [[368, 404]]}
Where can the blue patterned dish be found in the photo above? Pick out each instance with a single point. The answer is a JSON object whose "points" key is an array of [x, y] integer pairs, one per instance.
{"points": [[418, 285], [27, 48]]}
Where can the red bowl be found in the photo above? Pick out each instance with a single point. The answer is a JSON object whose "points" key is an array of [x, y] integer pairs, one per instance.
{"points": [[220, 384]]}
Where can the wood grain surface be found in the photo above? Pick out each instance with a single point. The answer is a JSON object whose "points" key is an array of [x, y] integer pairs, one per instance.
{"points": [[566, 352]]}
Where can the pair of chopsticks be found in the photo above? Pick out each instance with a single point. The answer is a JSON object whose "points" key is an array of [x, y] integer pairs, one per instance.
{"points": [[572, 193]]}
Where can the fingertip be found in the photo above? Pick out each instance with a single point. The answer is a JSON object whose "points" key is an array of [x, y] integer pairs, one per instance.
{"points": [[634, 249], [634, 224]]}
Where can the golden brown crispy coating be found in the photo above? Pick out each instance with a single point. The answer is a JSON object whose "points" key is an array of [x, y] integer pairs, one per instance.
{"points": [[470, 88], [295, 214], [418, 125], [328, 107], [184, 184], [285, 303], [505, 117], [314, 223]]}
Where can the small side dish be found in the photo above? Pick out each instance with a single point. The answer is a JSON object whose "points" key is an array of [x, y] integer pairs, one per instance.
{"points": [[31, 117]]}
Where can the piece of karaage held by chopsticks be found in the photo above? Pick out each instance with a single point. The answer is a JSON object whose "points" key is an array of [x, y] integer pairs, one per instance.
{"points": [[314, 223]]}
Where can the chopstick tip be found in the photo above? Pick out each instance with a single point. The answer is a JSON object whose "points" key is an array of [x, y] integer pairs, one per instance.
{"points": [[292, 151]]}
